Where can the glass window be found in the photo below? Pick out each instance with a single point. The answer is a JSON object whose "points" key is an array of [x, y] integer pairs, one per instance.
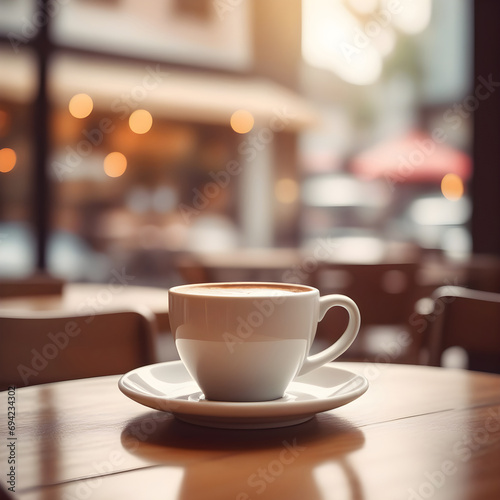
{"points": [[392, 81]]}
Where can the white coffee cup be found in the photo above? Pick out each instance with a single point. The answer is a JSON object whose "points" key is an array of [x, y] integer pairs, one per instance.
{"points": [[246, 341]]}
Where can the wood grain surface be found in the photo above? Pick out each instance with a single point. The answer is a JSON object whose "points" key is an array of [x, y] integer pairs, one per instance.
{"points": [[418, 433]]}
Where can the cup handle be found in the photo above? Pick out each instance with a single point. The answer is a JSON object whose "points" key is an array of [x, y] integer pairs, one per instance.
{"points": [[346, 339]]}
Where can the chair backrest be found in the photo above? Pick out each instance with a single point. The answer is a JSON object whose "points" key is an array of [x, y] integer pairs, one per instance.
{"points": [[385, 292], [482, 272], [469, 319], [33, 285], [37, 348]]}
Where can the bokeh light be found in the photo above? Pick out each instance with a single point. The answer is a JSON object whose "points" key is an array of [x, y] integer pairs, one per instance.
{"points": [[8, 159], [414, 17], [81, 105], [286, 190], [327, 42], [140, 121], [115, 164], [452, 187], [242, 121]]}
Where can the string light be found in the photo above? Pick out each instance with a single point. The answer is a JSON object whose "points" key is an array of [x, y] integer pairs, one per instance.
{"points": [[242, 121], [140, 121], [115, 164], [8, 160], [452, 187], [81, 105]]}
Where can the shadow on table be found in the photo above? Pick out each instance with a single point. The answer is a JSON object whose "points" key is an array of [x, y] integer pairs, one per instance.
{"points": [[287, 462]]}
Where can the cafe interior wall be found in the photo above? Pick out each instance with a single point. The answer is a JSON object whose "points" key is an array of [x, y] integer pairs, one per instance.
{"points": [[101, 222]]}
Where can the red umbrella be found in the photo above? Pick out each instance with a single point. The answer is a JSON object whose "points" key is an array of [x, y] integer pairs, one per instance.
{"points": [[415, 157]]}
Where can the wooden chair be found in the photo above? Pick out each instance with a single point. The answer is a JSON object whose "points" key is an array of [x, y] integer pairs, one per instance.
{"points": [[482, 272], [37, 348], [34, 285], [468, 319], [385, 294]]}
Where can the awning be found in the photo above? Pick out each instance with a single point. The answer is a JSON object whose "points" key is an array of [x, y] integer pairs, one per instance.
{"points": [[196, 96], [414, 157]]}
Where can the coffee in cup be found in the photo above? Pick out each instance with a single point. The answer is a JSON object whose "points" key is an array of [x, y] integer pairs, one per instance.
{"points": [[246, 341]]}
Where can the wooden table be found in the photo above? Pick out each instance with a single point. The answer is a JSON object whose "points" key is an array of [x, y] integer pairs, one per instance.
{"points": [[92, 297], [245, 264], [291, 264], [418, 433]]}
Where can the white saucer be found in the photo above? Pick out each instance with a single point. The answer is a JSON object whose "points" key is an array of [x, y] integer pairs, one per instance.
{"points": [[169, 387]]}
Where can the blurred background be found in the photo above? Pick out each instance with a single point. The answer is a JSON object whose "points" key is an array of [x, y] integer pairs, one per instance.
{"points": [[132, 133]]}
